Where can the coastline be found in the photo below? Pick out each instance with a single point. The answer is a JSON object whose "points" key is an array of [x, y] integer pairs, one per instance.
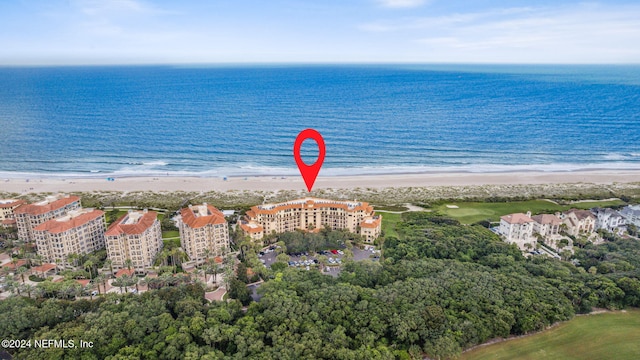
{"points": [[45, 184]]}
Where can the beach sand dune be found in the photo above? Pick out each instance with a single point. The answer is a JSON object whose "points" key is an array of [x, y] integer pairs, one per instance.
{"points": [[266, 183]]}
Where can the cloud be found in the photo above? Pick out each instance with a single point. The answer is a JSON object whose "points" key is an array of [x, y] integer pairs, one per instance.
{"points": [[401, 3], [580, 33]]}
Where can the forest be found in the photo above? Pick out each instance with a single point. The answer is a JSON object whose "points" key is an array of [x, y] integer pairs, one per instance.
{"points": [[439, 288]]}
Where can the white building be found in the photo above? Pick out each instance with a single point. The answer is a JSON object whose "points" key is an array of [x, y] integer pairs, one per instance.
{"points": [[632, 214], [609, 220], [518, 229]]}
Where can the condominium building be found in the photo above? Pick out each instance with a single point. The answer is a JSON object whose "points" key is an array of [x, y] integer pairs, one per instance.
{"points": [[518, 229], [311, 214], [631, 214], [136, 236], [7, 206], [579, 221], [546, 225], [203, 232], [29, 216], [78, 232], [610, 220]]}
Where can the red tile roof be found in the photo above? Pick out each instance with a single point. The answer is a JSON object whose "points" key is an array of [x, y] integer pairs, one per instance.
{"points": [[43, 268], [34, 209], [371, 222], [83, 282], [123, 272], [518, 218], [315, 203], [12, 204], [8, 221], [190, 219], [145, 222], [256, 228], [54, 226], [18, 263]]}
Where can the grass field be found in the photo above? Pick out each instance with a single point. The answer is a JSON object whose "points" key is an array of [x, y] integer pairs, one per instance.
{"points": [[614, 335], [471, 212], [389, 221], [170, 234]]}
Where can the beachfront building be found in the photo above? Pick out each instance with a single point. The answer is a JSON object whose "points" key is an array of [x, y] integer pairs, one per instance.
{"points": [[203, 232], [312, 214], [29, 216], [631, 214], [7, 206], [77, 232], [518, 229], [546, 225], [609, 220], [579, 222], [135, 236]]}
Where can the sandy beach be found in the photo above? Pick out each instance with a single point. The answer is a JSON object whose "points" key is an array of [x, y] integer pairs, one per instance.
{"points": [[265, 183]]}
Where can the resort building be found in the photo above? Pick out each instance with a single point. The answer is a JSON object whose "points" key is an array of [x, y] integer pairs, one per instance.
{"points": [[579, 222], [78, 232], [29, 216], [632, 214], [609, 220], [203, 232], [7, 206], [136, 236], [518, 229], [312, 214], [546, 225]]}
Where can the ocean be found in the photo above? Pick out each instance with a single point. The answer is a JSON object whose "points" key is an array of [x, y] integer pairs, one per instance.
{"points": [[242, 120]]}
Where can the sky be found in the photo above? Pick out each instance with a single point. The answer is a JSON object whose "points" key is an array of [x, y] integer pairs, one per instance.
{"points": [[70, 32]]}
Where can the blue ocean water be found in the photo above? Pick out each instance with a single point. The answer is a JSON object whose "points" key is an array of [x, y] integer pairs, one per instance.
{"points": [[243, 120]]}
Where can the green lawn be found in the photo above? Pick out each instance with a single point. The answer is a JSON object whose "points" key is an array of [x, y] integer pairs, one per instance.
{"points": [[603, 336], [471, 212], [389, 221], [170, 234]]}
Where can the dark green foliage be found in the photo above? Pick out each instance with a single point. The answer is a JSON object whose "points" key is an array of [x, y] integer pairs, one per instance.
{"points": [[440, 288], [299, 241], [238, 290]]}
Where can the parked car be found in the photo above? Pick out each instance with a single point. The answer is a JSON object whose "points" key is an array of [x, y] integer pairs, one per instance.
{"points": [[334, 252]]}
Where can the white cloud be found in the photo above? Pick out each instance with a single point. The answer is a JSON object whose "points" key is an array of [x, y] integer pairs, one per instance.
{"points": [[581, 34], [401, 3]]}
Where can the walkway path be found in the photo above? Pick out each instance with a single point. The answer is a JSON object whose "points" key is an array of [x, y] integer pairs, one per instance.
{"points": [[216, 295]]}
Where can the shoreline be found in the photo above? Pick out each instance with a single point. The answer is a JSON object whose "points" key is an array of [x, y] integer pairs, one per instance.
{"points": [[26, 185]]}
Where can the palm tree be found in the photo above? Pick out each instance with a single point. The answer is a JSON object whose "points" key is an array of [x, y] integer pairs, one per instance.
{"points": [[28, 288], [128, 263], [88, 265], [109, 263], [73, 258], [21, 270], [97, 281]]}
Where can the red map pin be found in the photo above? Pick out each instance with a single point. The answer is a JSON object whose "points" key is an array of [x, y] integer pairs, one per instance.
{"points": [[309, 172]]}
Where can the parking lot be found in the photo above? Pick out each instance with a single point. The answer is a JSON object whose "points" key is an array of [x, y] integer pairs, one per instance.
{"points": [[308, 261]]}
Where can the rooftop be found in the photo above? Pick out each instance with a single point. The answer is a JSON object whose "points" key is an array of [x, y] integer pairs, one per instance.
{"points": [[546, 219], [132, 223], [198, 216], [8, 203], [72, 220], [51, 203], [517, 218]]}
